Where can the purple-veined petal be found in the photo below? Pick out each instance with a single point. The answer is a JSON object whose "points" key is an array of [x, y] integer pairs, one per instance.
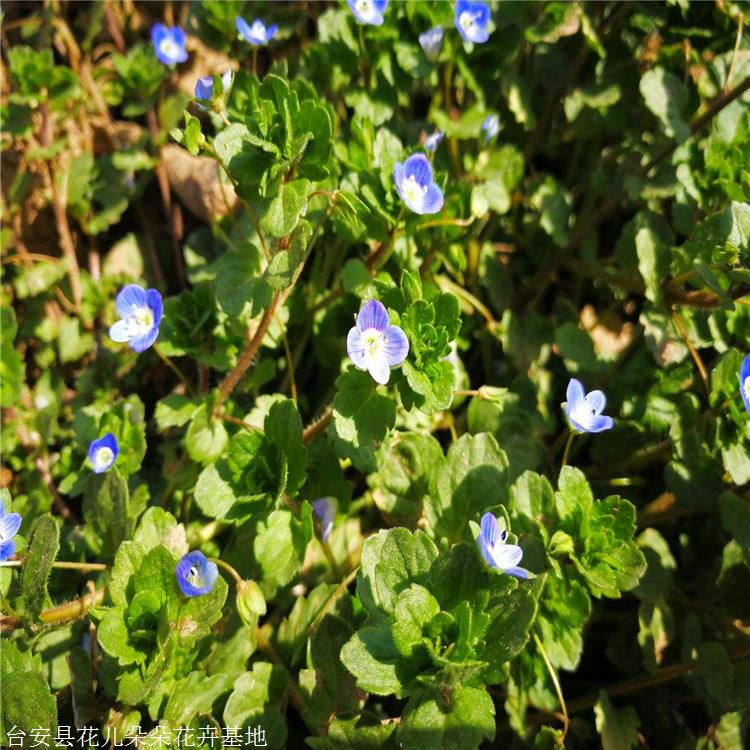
{"points": [[517, 572], [7, 550], [745, 382], [485, 550], [433, 200], [271, 31], [595, 401], [490, 529], [378, 368], [599, 423], [506, 555], [129, 299], [574, 395], [418, 166], [158, 32], [372, 315], [395, 346], [141, 343], [9, 525], [398, 177], [178, 36], [355, 348], [204, 88], [155, 304]]}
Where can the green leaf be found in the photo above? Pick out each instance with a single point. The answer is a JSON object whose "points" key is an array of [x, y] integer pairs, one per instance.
{"points": [[454, 718], [361, 415], [240, 287], [618, 728], [106, 510], [206, 437], [653, 261], [473, 476], [193, 696], [43, 547], [27, 703], [415, 607], [666, 97], [174, 411], [280, 214]]}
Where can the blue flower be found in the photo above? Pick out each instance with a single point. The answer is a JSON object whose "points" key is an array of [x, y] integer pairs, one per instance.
{"points": [[498, 554], [141, 311], [490, 127], [433, 141], [415, 186], [9, 525], [375, 345], [103, 452], [258, 33], [584, 411], [204, 89], [196, 574], [431, 42], [325, 509], [368, 11], [471, 19], [169, 43], [745, 382]]}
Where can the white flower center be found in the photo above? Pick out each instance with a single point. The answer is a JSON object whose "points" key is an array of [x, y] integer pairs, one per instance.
{"points": [[373, 340], [413, 191], [141, 321], [468, 21], [194, 577], [258, 30], [366, 9], [168, 47], [104, 457]]}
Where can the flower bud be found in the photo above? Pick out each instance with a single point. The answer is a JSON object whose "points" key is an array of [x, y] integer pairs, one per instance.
{"points": [[251, 603]]}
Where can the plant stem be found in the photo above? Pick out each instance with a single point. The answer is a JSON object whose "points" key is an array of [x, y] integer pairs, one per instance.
{"points": [[60, 565], [247, 356], [330, 557], [568, 443], [555, 682], [173, 367], [317, 425], [335, 594], [63, 613], [693, 351], [226, 566]]}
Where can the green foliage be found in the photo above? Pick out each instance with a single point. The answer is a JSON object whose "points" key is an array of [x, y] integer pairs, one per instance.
{"points": [[603, 234]]}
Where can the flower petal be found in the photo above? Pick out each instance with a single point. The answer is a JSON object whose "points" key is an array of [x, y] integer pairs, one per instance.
{"points": [[595, 401], [372, 315], [129, 299], [355, 348], [600, 423], [433, 200], [141, 343], [395, 346], [418, 166], [378, 368], [506, 555], [7, 550], [517, 572], [490, 529], [155, 304], [120, 331], [398, 177], [9, 525], [574, 395], [158, 32]]}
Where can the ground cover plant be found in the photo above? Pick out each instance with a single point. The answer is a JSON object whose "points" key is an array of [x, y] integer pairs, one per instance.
{"points": [[375, 375]]}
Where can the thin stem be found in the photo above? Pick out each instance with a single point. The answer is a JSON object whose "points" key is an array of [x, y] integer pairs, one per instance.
{"points": [[289, 361], [693, 351], [555, 682], [335, 594], [448, 222], [60, 565], [568, 443], [317, 425], [324, 543], [247, 356], [226, 566], [224, 118], [173, 367], [63, 613], [255, 61], [737, 46], [447, 284]]}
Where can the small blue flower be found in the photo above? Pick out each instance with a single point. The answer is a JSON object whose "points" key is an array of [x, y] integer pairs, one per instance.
{"points": [[257, 34], [490, 127], [375, 345], [9, 525], [433, 141], [204, 88], [103, 452], [415, 185], [196, 574], [584, 411], [471, 19], [498, 554], [745, 382], [141, 311], [431, 42], [325, 509], [368, 11], [169, 43]]}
